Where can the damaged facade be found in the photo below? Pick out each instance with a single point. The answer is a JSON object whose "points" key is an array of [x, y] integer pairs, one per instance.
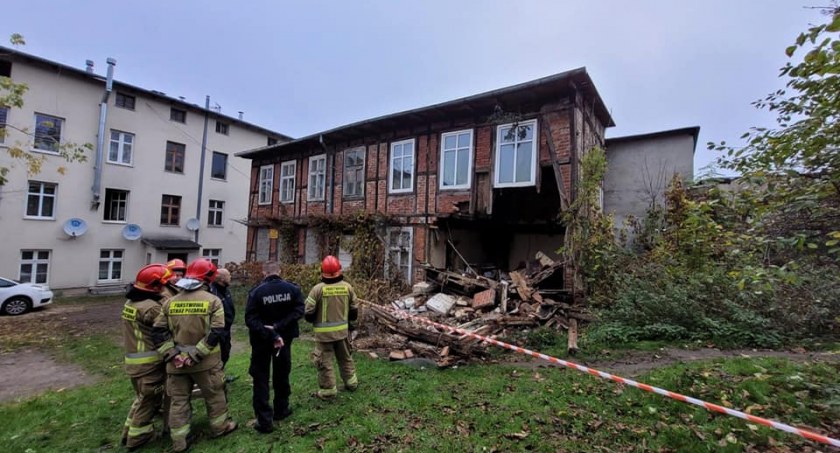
{"points": [[479, 180]]}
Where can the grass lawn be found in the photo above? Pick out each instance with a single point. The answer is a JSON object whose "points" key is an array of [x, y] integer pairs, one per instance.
{"points": [[473, 408]]}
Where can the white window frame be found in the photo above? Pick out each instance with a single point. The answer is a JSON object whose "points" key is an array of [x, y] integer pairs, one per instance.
{"points": [[443, 151], [112, 261], [392, 248], [288, 180], [215, 208], [535, 150], [266, 185], [41, 196], [35, 261], [363, 151], [106, 202], [60, 135], [310, 196], [214, 255], [120, 141], [391, 159]]}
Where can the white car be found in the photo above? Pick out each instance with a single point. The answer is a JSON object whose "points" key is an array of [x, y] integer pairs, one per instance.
{"points": [[18, 298]]}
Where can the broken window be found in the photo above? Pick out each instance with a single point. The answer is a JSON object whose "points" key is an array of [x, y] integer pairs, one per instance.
{"points": [[455, 159], [354, 172], [399, 253], [516, 154]]}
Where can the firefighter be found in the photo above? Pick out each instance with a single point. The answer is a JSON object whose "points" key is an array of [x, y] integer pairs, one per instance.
{"points": [[221, 288], [272, 313], [177, 267], [143, 364], [330, 307], [188, 331]]}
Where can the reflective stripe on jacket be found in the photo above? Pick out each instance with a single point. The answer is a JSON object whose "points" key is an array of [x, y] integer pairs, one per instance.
{"points": [[189, 317], [331, 304], [140, 354]]}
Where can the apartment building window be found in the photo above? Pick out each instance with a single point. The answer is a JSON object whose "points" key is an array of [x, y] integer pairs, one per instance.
{"points": [[317, 177], [178, 115], [214, 255], [170, 210], [47, 133], [516, 154], [110, 265], [287, 181], [4, 114], [401, 174], [215, 213], [5, 68], [175, 153], [399, 253], [125, 101], [116, 203], [354, 172], [222, 128], [40, 200], [34, 266], [266, 184], [219, 168], [271, 141], [122, 145], [456, 151]]}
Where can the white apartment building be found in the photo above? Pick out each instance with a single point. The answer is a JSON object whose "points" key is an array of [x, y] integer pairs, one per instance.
{"points": [[154, 203]]}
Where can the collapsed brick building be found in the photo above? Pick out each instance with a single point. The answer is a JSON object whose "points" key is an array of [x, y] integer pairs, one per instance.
{"points": [[479, 180]]}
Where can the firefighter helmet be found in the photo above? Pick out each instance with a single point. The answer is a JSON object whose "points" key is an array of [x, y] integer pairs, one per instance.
{"points": [[330, 267], [176, 265], [152, 277], [201, 269]]}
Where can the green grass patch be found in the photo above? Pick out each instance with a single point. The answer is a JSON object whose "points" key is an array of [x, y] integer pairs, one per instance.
{"points": [[472, 408]]}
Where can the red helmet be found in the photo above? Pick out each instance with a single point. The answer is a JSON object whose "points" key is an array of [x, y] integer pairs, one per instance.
{"points": [[176, 265], [201, 269], [152, 277], [330, 267]]}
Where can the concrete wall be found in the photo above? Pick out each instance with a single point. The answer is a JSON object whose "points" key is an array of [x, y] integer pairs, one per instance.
{"points": [[74, 261], [639, 170]]}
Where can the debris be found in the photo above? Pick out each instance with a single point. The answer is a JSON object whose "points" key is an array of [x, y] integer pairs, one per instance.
{"points": [[440, 303], [408, 354], [396, 355], [373, 355], [484, 299]]}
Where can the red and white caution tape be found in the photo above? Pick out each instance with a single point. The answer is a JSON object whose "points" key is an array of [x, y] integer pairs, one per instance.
{"points": [[648, 388]]}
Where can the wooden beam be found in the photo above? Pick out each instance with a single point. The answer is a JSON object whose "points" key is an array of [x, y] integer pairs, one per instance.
{"points": [[555, 161]]}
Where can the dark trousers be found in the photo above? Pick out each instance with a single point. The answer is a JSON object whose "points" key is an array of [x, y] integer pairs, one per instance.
{"points": [[224, 345], [263, 356]]}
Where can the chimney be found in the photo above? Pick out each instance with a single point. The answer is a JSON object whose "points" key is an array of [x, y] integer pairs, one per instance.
{"points": [[89, 66], [241, 114]]}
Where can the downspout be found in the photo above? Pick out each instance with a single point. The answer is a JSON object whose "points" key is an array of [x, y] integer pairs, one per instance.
{"points": [[331, 199], [201, 167], [100, 140]]}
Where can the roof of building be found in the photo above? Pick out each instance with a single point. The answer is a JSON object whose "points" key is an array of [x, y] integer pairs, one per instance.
{"points": [[483, 102], [13, 53], [168, 243], [693, 131]]}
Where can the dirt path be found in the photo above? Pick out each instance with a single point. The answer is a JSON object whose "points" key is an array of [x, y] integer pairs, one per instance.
{"points": [[30, 372], [634, 363]]}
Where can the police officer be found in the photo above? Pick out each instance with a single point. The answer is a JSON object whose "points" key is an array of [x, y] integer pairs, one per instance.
{"points": [[272, 313], [330, 307], [188, 331], [143, 364]]}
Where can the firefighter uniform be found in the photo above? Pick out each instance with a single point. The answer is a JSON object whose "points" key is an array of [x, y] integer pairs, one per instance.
{"points": [[190, 325], [330, 307], [144, 365], [273, 310]]}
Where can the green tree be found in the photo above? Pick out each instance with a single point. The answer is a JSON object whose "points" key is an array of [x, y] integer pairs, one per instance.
{"points": [[11, 96], [795, 166]]}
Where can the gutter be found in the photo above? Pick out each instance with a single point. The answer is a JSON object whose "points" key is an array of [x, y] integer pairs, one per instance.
{"points": [[100, 141]]}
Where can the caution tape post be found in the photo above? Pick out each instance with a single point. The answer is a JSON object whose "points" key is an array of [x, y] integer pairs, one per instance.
{"points": [[611, 377]]}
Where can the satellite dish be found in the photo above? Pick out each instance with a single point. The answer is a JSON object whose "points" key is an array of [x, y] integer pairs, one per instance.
{"points": [[132, 232], [75, 227], [193, 224]]}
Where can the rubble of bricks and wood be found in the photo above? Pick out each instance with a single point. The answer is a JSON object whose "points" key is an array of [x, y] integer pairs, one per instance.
{"points": [[486, 301]]}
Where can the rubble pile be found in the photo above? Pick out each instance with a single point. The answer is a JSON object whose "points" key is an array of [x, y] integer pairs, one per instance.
{"points": [[486, 302]]}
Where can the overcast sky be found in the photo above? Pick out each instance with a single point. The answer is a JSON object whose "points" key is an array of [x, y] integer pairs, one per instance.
{"points": [[306, 66]]}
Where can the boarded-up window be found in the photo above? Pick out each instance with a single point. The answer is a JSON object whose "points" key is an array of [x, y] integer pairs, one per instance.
{"points": [[262, 244], [344, 255], [311, 254]]}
